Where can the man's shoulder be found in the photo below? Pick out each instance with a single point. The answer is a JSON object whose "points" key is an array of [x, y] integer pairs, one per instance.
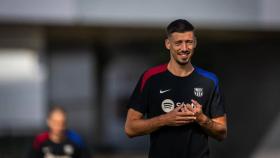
{"points": [[75, 138], [157, 68], [154, 70], [40, 139], [207, 74]]}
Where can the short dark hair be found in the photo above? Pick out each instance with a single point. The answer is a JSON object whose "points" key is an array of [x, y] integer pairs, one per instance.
{"points": [[179, 25]]}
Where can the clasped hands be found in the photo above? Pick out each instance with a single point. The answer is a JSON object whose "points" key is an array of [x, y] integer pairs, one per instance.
{"points": [[184, 114]]}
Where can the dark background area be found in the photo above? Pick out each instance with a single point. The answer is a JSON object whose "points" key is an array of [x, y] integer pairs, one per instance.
{"points": [[246, 61], [87, 55]]}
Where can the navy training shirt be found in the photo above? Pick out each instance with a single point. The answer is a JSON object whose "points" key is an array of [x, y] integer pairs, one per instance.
{"points": [[159, 91], [71, 147]]}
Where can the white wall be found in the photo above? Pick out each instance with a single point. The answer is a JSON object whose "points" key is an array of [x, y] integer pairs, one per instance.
{"points": [[38, 11], [214, 13], [22, 80], [156, 12], [270, 13]]}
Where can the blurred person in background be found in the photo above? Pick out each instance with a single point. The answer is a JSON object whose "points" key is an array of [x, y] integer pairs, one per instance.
{"points": [[178, 104], [58, 142]]}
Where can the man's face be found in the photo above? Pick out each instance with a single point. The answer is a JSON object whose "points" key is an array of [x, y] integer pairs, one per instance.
{"points": [[57, 123], [181, 46]]}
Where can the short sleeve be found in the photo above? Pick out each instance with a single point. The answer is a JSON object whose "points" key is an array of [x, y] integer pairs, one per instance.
{"points": [[217, 105], [73, 136], [35, 151], [139, 98], [78, 141]]}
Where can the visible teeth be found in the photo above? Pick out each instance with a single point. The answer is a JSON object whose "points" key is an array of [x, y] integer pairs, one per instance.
{"points": [[183, 54]]}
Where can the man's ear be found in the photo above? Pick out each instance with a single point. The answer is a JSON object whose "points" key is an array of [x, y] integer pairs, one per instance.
{"points": [[167, 43], [195, 42]]}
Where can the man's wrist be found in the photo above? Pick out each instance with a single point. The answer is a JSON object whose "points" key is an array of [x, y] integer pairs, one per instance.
{"points": [[203, 120], [161, 120]]}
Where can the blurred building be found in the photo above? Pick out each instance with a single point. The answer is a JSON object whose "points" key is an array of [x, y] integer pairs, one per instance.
{"points": [[87, 55]]}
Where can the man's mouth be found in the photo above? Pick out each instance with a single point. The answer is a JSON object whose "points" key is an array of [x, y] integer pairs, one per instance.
{"points": [[184, 54]]}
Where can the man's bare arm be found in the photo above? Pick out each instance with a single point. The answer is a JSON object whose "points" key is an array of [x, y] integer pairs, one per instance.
{"points": [[215, 127]]}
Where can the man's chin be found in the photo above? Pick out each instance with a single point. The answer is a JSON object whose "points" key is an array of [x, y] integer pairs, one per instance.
{"points": [[183, 63]]}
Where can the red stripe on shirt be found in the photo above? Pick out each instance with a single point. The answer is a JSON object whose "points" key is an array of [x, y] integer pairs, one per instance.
{"points": [[40, 139], [151, 72]]}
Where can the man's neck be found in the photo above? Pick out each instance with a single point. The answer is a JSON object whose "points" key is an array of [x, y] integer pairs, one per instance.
{"points": [[56, 138], [180, 70]]}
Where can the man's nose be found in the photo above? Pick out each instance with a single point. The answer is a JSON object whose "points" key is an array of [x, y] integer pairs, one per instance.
{"points": [[185, 47]]}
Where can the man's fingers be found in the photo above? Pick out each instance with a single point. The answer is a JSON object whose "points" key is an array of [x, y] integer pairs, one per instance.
{"points": [[184, 108], [183, 122], [195, 103], [179, 123], [178, 108], [189, 107], [186, 113], [180, 118]]}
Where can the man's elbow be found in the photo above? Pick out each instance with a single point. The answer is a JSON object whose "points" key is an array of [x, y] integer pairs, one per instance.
{"points": [[129, 132], [222, 135]]}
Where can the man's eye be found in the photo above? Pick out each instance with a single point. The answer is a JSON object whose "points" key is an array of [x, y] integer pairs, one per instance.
{"points": [[190, 42], [177, 43]]}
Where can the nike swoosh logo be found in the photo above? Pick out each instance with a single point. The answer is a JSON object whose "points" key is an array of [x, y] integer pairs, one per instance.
{"points": [[163, 91]]}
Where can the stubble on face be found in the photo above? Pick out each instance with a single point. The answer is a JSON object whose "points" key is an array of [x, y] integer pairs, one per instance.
{"points": [[184, 60], [181, 46]]}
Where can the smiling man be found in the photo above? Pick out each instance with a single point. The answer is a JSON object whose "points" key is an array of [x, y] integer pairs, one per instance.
{"points": [[182, 103]]}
